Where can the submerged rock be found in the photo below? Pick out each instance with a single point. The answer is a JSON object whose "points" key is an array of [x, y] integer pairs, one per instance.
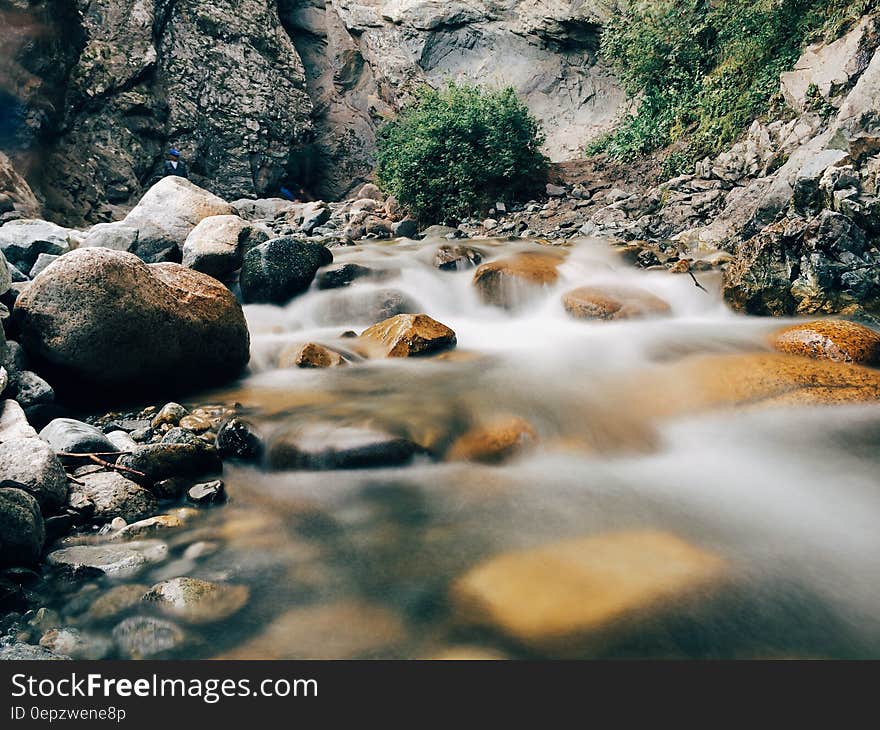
{"points": [[494, 442], [366, 307], [113, 601], [513, 281], [107, 319], [341, 275], [276, 271], [310, 355], [198, 601], [612, 302], [572, 598], [21, 528], [457, 257], [408, 335], [144, 637], [324, 446], [76, 644], [830, 339]]}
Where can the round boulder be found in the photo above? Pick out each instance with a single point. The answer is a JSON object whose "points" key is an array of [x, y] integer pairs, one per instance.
{"points": [[830, 339], [217, 244], [21, 528], [278, 270], [105, 318]]}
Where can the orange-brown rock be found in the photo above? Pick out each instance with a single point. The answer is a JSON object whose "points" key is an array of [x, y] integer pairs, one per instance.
{"points": [[493, 442], [310, 355], [830, 339], [570, 598], [612, 302], [513, 281], [407, 335]]}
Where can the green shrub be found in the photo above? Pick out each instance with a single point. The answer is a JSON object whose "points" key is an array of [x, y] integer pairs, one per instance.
{"points": [[454, 152], [703, 69]]}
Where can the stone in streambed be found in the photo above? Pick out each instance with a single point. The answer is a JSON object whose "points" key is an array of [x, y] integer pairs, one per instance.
{"points": [[144, 637], [830, 339], [107, 319], [365, 306], [310, 355], [161, 461], [198, 601], [408, 335], [457, 258], [513, 281], [217, 244], [30, 390], [148, 526], [612, 302], [29, 653], [115, 601], [571, 598], [32, 463], [341, 275], [277, 270], [14, 423], [76, 644], [494, 442], [207, 493], [75, 437], [324, 447], [114, 496], [119, 561], [238, 439], [170, 413], [22, 532], [121, 441], [22, 241]]}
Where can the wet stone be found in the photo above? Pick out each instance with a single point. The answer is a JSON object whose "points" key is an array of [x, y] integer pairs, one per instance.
{"points": [[198, 601], [322, 447], [112, 602], [144, 637], [207, 493], [76, 644], [238, 439], [114, 560], [28, 652]]}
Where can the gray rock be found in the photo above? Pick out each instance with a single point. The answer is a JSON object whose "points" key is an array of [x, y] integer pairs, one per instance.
{"points": [[120, 561], [31, 390], [238, 439], [365, 306], [14, 423], [15, 276], [43, 260], [198, 601], [23, 241], [406, 228], [14, 359], [145, 637], [217, 244], [121, 441], [32, 463], [28, 653], [105, 318], [76, 644], [207, 493], [22, 533], [161, 461], [5, 275], [555, 191], [75, 437], [179, 435], [341, 275], [314, 215], [114, 496], [322, 447], [4, 379], [116, 236], [279, 269]]}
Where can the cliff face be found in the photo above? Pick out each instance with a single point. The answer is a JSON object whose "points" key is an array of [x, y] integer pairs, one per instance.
{"points": [[259, 92]]}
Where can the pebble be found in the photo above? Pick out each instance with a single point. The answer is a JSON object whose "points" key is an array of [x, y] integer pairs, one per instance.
{"points": [[207, 493]]}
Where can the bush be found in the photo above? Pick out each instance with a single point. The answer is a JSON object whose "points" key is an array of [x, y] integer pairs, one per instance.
{"points": [[703, 69], [455, 152]]}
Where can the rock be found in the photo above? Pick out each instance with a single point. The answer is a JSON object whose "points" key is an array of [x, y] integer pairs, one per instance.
{"points": [[75, 437], [161, 461], [314, 215], [4, 379], [21, 528], [170, 413], [340, 275], [119, 561], [310, 355], [22, 241], [612, 302], [322, 447], [117, 236], [207, 493], [408, 335], [13, 422], [822, 266], [198, 601], [32, 463], [14, 359], [196, 424], [168, 212], [494, 442], [513, 281], [43, 261], [141, 528], [592, 590], [31, 390], [830, 339], [114, 496], [106, 318], [171, 488], [238, 439], [555, 191], [178, 435], [217, 244], [17, 193], [370, 191], [406, 228], [343, 630], [278, 270], [144, 637], [29, 653], [115, 600], [365, 306], [6, 271], [121, 441], [76, 644], [456, 258]]}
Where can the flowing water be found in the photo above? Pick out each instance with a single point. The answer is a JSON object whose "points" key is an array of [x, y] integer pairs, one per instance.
{"points": [[359, 563]]}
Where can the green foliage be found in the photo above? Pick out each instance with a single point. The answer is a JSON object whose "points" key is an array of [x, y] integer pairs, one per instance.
{"points": [[456, 151], [703, 69]]}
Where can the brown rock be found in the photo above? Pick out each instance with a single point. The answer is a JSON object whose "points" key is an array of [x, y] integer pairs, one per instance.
{"points": [[570, 598], [198, 601], [493, 442], [830, 339], [612, 302], [512, 281], [310, 355], [408, 335]]}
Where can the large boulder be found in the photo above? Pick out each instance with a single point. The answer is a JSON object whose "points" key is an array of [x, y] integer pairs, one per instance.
{"points": [[168, 213], [830, 339], [217, 245], [21, 528], [278, 270], [407, 335], [22, 241], [70, 436], [105, 318], [515, 280]]}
